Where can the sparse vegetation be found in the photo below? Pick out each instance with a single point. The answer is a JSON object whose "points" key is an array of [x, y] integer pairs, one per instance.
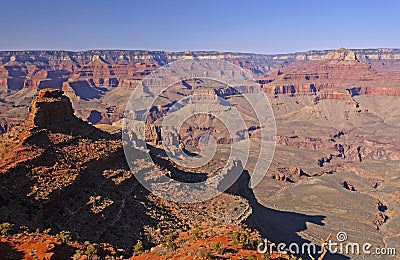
{"points": [[24, 230], [5, 228], [203, 253], [169, 243], [138, 248], [218, 248], [33, 252], [90, 250], [64, 236], [235, 239], [46, 231], [266, 256], [196, 232], [243, 238], [251, 257]]}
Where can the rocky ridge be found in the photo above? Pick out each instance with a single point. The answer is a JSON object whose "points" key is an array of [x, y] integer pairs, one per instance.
{"points": [[59, 172], [100, 82]]}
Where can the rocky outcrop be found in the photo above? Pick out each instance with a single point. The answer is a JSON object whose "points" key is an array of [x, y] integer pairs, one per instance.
{"points": [[379, 220], [50, 107], [361, 148], [337, 75], [301, 142], [287, 174], [348, 186], [105, 117], [341, 55]]}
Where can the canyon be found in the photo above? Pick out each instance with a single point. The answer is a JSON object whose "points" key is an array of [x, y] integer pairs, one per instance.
{"points": [[98, 82], [59, 172], [335, 168]]}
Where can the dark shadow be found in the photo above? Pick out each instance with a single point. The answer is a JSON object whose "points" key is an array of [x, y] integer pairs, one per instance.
{"points": [[94, 117], [276, 225], [55, 79], [382, 208], [354, 91], [186, 84], [313, 88], [15, 83], [157, 155], [189, 153], [62, 252], [16, 76], [86, 91], [74, 127], [7, 252], [121, 223]]}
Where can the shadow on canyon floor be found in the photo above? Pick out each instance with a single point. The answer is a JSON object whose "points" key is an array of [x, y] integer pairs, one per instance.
{"points": [[122, 222], [8, 252], [280, 226]]}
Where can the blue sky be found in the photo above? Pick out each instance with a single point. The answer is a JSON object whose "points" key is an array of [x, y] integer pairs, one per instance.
{"points": [[269, 26]]}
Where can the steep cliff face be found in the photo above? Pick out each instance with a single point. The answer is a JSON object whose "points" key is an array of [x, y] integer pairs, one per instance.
{"points": [[99, 83], [58, 172], [42, 69], [339, 74], [50, 107]]}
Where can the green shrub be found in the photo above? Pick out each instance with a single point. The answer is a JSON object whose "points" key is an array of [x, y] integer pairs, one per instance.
{"points": [[64, 236], [138, 248], [5, 228], [169, 242], [218, 248], [235, 239], [251, 257], [90, 250], [196, 232], [243, 238]]}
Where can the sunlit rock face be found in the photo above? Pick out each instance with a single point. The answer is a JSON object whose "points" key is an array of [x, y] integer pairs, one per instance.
{"points": [[339, 74]]}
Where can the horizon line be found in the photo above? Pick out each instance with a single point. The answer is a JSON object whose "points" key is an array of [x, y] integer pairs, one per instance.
{"points": [[198, 51]]}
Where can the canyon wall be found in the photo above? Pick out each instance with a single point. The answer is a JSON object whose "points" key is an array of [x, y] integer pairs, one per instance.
{"points": [[99, 82], [42, 69]]}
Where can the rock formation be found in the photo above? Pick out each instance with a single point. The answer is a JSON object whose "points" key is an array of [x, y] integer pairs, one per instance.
{"points": [[50, 107], [41, 69], [333, 76], [103, 80], [59, 172], [341, 55]]}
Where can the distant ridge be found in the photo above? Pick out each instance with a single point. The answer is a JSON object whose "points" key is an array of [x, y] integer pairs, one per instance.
{"points": [[364, 55]]}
